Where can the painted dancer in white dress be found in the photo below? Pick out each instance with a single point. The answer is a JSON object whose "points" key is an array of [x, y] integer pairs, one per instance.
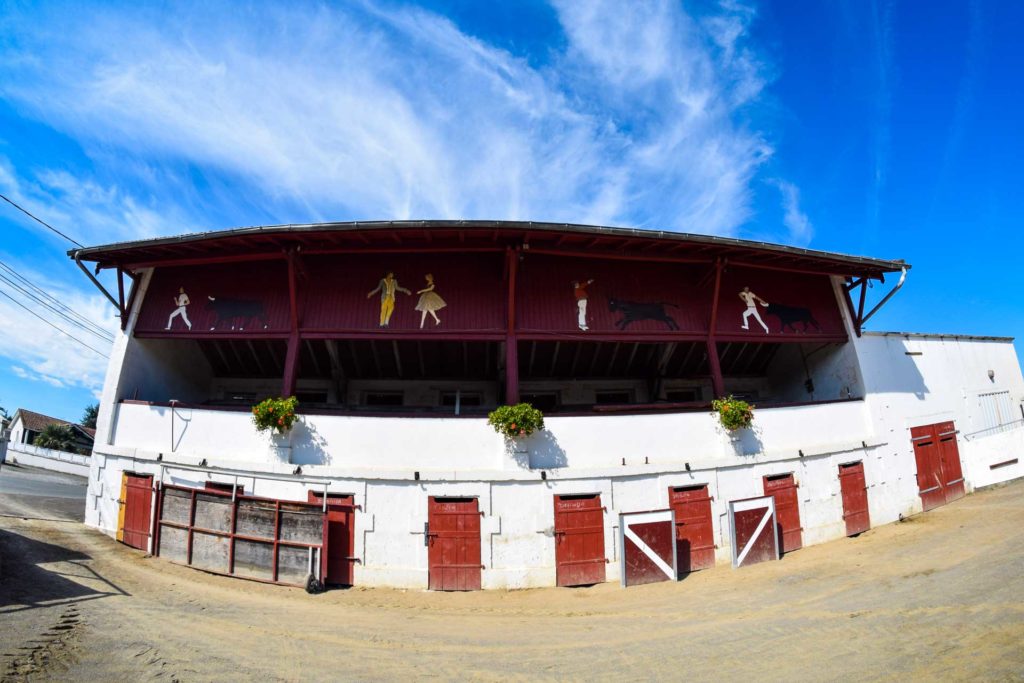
{"points": [[751, 300], [430, 302], [181, 301]]}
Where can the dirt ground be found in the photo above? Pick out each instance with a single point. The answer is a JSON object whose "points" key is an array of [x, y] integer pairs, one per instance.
{"points": [[938, 597]]}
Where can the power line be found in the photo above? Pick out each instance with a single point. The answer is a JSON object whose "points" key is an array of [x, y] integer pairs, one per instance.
{"points": [[79, 318], [56, 306], [42, 222], [64, 332], [102, 335]]}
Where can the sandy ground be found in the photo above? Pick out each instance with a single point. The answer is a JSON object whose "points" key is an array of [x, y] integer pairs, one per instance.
{"points": [[940, 597]]}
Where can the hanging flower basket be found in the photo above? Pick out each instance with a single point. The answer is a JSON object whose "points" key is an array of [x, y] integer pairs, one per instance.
{"points": [[733, 413], [275, 414], [516, 421]]}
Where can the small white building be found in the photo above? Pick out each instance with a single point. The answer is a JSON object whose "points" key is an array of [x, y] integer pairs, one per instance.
{"points": [[393, 477]]}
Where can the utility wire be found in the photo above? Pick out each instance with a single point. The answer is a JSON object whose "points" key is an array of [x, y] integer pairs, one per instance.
{"points": [[42, 222], [102, 335], [64, 332], [96, 329]]}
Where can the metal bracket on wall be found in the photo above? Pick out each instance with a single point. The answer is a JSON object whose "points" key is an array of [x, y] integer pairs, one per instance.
{"points": [[857, 312], [119, 303]]}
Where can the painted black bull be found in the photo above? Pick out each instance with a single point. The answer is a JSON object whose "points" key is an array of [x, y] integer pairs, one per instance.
{"points": [[633, 311], [236, 312], [788, 315]]}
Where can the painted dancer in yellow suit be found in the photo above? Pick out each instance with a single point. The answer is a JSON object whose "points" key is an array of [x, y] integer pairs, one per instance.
{"points": [[387, 288]]}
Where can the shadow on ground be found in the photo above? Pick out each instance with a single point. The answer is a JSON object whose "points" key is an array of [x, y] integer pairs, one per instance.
{"points": [[25, 584]]}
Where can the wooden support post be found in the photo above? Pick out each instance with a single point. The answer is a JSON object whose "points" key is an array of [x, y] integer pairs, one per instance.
{"points": [[511, 342], [717, 382], [860, 305], [291, 359], [120, 298], [338, 371], [849, 306], [293, 292], [291, 365]]}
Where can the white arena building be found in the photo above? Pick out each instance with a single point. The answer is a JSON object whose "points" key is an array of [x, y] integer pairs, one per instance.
{"points": [[393, 477]]}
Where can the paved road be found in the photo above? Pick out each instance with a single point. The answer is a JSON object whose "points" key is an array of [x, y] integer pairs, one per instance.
{"points": [[940, 597], [31, 492]]}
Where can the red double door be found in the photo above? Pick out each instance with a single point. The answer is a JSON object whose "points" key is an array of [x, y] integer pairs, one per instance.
{"points": [[579, 540], [940, 479], [337, 562], [783, 488], [695, 536], [453, 544]]}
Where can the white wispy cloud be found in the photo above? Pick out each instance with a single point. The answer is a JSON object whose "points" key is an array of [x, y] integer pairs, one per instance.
{"points": [[87, 210], [396, 113], [639, 117], [796, 221], [38, 351]]}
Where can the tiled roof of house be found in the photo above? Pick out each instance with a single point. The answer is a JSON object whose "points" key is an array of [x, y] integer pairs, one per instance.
{"points": [[37, 422]]}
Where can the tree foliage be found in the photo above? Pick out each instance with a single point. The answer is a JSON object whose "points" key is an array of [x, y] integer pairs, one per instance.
{"points": [[89, 416], [56, 437]]}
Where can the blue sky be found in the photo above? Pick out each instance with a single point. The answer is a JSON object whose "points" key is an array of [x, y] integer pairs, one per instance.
{"points": [[877, 128]]}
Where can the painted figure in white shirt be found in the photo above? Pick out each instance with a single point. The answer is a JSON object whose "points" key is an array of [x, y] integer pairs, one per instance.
{"points": [[751, 300]]}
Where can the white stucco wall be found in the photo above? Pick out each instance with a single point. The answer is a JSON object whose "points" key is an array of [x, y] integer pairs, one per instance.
{"points": [[630, 460], [48, 459]]}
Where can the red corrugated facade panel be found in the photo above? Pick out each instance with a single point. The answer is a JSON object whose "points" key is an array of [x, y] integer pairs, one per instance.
{"points": [[250, 296], [798, 305], [470, 285], [625, 296]]}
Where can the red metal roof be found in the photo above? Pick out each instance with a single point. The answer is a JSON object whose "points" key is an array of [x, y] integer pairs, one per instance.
{"points": [[270, 242]]}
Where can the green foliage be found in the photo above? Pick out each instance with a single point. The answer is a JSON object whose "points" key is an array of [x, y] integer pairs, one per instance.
{"points": [[89, 416], [733, 413], [56, 437], [516, 421], [275, 413]]}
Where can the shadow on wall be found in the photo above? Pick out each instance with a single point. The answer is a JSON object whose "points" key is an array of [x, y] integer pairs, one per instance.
{"points": [[540, 451], [309, 447], [747, 441], [180, 420], [891, 366]]}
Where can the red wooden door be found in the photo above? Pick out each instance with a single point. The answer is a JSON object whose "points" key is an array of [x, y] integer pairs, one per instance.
{"points": [[782, 487], [695, 537], [579, 540], [939, 475], [949, 459], [855, 498], [453, 544], [138, 498], [337, 561]]}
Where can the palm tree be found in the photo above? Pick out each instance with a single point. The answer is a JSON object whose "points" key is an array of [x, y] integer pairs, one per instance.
{"points": [[56, 437]]}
